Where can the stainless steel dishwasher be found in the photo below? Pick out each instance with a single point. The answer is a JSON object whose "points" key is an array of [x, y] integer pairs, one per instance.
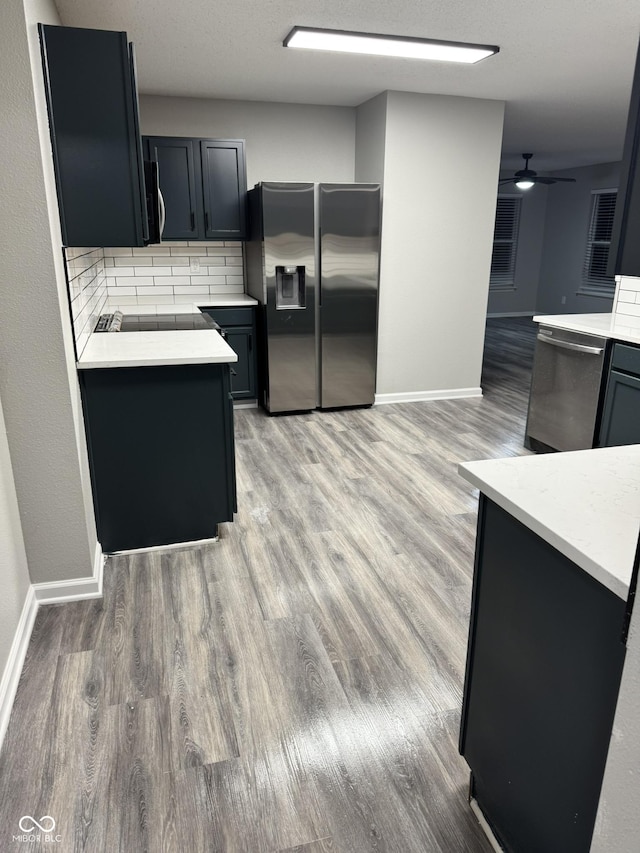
{"points": [[565, 390]]}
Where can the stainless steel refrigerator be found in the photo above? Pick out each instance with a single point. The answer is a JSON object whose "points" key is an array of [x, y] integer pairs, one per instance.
{"points": [[313, 265]]}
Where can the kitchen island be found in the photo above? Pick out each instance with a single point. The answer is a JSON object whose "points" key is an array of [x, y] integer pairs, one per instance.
{"points": [[554, 585], [159, 421]]}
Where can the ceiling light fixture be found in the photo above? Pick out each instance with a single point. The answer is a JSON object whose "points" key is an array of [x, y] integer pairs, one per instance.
{"points": [[386, 45], [524, 184]]}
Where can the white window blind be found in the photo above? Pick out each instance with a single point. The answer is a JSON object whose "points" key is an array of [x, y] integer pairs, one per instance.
{"points": [[594, 277], [505, 241]]}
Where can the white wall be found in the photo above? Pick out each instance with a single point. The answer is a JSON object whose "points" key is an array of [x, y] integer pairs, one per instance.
{"points": [[371, 130], [38, 386], [14, 575], [523, 296], [565, 240], [285, 142], [618, 822], [437, 238]]}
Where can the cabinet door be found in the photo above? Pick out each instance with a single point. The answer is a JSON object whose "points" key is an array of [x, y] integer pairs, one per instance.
{"points": [[621, 414], [91, 99], [243, 383], [179, 178], [224, 185]]}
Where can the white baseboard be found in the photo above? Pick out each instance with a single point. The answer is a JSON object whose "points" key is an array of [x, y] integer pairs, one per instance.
{"points": [[512, 314], [420, 396], [76, 589], [37, 594], [245, 404], [15, 661], [493, 841]]}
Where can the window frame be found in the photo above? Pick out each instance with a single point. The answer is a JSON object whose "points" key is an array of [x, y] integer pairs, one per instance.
{"points": [[506, 283], [589, 286]]}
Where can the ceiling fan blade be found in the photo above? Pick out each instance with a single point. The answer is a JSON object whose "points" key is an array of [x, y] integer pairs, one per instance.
{"points": [[545, 180], [505, 180], [565, 180]]}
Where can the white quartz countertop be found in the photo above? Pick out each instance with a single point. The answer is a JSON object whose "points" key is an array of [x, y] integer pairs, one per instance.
{"points": [[181, 304], [154, 349], [604, 325], [584, 503]]}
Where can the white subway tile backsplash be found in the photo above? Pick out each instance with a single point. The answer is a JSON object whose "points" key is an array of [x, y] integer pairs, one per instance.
{"points": [[156, 290], [630, 282], [227, 288], [133, 262], [627, 296], [87, 284], [175, 280], [227, 251], [188, 251], [628, 309], [153, 250], [208, 279], [164, 271]]}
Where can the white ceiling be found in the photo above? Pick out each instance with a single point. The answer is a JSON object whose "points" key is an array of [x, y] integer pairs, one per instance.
{"points": [[564, 67]]}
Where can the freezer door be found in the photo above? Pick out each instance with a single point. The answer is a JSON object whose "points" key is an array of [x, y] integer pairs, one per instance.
{"points": [[288, 221], [349, 270]]}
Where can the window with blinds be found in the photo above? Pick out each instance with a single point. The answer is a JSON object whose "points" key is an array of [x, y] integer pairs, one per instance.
{"points": [[505, 241], [595, 280]]}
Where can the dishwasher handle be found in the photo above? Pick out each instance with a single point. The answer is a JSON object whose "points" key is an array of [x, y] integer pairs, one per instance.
{"points": [[570, 345]]}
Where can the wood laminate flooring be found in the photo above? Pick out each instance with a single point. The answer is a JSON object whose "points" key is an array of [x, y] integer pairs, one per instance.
{"points": [[296, 686]]}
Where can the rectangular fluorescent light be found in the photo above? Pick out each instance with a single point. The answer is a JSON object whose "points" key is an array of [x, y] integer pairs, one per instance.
{"points": [[406, 47]]}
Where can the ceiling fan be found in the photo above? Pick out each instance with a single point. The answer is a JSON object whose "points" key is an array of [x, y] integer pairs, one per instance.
{"points": [[526, 178]]}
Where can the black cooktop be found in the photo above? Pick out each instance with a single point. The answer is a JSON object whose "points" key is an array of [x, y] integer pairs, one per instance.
{"points": [[163, 322]]}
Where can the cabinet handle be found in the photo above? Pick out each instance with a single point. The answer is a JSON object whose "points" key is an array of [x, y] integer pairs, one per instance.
{"points": [[193, 221], [206, 221], [233, 372]]}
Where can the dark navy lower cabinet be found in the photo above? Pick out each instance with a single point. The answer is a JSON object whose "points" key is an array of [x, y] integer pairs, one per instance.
{"points": [[161, 453], [621, 412], [544, 665], [240, 328]]}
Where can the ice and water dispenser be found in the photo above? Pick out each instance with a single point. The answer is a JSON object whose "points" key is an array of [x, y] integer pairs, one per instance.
{"points": [[290, 287]]}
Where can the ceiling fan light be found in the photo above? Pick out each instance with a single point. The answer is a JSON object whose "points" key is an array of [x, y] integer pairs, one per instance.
{"points": [[524, 184], [407, 47]]}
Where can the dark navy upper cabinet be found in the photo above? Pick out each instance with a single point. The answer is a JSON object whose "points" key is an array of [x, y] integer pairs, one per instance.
{"points": [[224, 184], [180, 182], [204, 187], [97, 152], [624, 254]]}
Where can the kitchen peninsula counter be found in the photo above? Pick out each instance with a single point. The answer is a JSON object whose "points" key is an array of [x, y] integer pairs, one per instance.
{"points": [[552, 595], [584, 503]]}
